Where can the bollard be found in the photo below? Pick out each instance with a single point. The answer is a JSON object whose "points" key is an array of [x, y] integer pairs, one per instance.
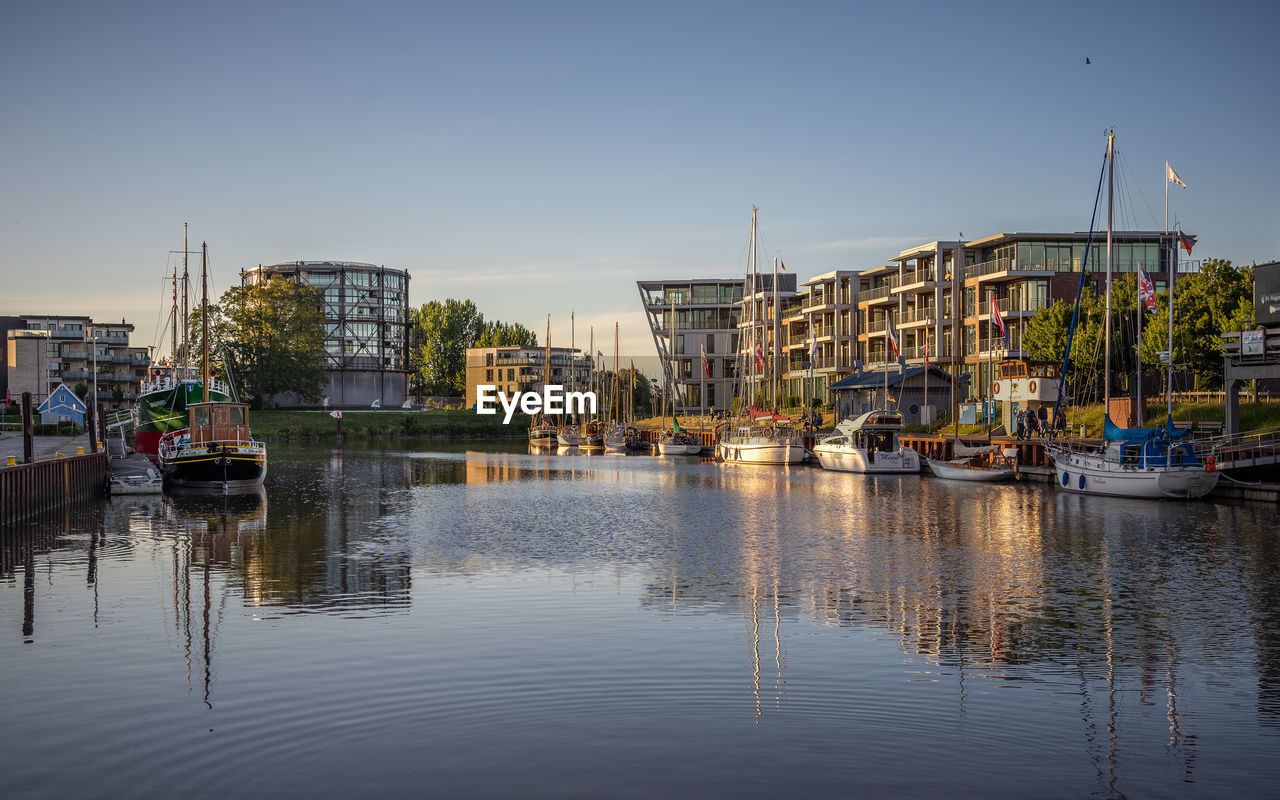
{"points": [[79, 451], [12, 460]]}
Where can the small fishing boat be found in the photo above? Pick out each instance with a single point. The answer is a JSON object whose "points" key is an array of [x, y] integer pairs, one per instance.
{"points": [[215, 451]]}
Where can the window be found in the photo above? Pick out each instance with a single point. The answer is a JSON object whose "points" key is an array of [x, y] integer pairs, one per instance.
{"points": [[235, 415], [488, 375], [511, 374], [200, 416]]}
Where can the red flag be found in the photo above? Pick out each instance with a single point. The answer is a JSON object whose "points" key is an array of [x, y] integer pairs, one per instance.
{"points": [[926, 355], [706, 365], [1186, 241], [759, 359], [782, 264]]}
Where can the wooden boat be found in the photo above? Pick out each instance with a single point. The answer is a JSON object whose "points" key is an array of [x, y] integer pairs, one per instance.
{"points": [[215, 451]]}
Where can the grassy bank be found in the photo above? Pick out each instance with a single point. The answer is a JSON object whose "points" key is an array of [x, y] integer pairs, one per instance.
{"points": [[277, 426], [1253, 416]]}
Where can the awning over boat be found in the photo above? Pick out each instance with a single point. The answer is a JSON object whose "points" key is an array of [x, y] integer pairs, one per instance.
{"points": [[1114, 433]]}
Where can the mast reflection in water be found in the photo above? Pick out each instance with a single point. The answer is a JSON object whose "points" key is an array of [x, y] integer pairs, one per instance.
{"points": [[498, 623]]}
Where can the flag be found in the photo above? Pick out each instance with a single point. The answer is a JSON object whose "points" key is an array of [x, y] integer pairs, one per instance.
{"points": [[1146, 290], [1186, 241], [706, 365], [813, 343], [891, 334], [1172, 176], [926, 355], [336, 414], [782, 264], [759, 359], [998, 321]]}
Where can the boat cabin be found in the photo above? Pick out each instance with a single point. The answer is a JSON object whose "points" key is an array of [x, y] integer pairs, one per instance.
{"points": [[874, 431], [1025, 385], [218, 422]]}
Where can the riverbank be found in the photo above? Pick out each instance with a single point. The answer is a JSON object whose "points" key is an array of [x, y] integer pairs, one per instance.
{"points": [[281, 426]]}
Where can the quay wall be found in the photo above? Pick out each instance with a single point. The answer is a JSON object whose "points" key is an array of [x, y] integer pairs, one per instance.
{"points": [[30, 489]]}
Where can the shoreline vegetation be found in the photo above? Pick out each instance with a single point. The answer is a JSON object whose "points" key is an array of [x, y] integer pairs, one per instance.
{"points": [[279, 425]]}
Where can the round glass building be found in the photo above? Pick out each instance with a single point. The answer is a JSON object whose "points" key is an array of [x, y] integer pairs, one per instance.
{"points": [[366, 312]]}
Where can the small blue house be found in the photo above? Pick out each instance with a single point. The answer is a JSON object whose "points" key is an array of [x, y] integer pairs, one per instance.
{"points": [[62, 404]]}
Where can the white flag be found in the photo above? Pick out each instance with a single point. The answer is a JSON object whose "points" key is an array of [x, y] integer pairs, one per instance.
{"points": [[336, 414], [1173, 176]]}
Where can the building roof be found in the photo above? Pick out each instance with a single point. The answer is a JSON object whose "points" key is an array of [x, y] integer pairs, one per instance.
{"points": [[988, 241], [875, 379]]}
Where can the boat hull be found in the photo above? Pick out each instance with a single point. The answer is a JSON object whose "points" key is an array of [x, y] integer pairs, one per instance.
{"points": [[845, 458], [760, 453], [1081, 473], [214, 466], [964, 472]]}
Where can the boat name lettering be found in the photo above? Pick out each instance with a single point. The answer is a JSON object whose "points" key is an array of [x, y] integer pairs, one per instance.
{"points": [[553, 399]]}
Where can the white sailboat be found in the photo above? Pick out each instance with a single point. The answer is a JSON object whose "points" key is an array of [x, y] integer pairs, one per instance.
{"points": [[984, 464], [1134, 462], [760, 439]]}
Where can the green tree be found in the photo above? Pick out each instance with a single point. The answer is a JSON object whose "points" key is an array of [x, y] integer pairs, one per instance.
{"points": [[441, 334], [271, 336], [501, 334], [1213, 301], [1045, 337]]}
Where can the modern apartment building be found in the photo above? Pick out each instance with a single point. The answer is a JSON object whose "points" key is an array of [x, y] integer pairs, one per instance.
{"points": [[820, 326], [690, 316], [946, 311], [366, 314], [524, 369], [43, 351]]}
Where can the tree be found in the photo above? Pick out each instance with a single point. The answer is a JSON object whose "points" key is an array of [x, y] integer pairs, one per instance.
{"points": [[1213, 301], [501, 334], [1045, 337], [441, 334], [271, 335]]}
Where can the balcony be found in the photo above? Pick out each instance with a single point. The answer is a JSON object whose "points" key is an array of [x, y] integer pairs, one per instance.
{"points": [[917, 279], [998, 268], [876, 295], [1004, 303]]}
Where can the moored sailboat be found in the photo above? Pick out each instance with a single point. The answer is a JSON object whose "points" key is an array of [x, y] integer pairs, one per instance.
{"points": [[1133, 462]]}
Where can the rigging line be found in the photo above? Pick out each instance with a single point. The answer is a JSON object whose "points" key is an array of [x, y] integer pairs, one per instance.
{"points": [[1084, 277], [1126, 167]]}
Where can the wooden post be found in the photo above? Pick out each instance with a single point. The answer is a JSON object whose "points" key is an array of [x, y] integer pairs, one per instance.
{"points": [[91, 421], [28, 431]]}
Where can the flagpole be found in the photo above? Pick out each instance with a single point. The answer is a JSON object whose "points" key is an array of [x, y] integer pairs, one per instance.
{"points": [[1141, 314]]}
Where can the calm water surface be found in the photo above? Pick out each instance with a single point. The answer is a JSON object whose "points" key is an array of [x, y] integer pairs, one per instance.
{"points": [[481, 623]]}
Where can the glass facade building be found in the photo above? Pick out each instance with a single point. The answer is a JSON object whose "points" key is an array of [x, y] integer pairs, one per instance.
{"points": [[366, 314]]}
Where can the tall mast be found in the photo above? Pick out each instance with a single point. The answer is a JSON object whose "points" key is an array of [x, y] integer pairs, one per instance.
{"points": [[1106, 334], [204, 321], [174, 341], [775, 378], [616, 410], [186, 312], [591, 351]]}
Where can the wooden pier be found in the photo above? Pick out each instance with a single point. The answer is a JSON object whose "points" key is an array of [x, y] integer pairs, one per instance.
{"points": [[30, 489]]}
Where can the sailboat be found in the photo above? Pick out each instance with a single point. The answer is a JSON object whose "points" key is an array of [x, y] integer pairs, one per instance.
{"points": [[541, 432], [1133, 462], [759, 438], [216, 449], [169, 388]]}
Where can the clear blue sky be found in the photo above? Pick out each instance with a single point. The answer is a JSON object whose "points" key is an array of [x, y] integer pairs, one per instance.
{"points": [[541, 157]]}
